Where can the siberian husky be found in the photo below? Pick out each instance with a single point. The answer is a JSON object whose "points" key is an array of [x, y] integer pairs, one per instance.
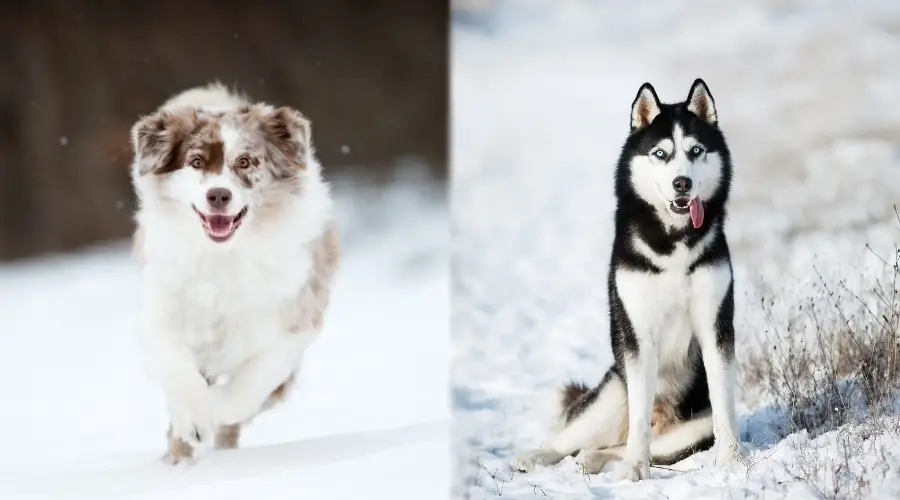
{"points": [[670, 391], [237, 248]]}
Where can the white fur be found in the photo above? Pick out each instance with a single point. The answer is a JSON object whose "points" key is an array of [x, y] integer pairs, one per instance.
{"points": [[212, 97], [216, 308], [600, 424], [708, 286], [666, 311], [679, 438], [652, 178]]}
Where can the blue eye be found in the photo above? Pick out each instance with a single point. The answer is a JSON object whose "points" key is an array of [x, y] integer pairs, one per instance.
{"points": [[696, 151], [660, 154]]}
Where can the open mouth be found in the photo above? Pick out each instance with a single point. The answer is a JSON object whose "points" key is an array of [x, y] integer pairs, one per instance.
{"points": [[220, 227], [680, 206], [684, 205]]}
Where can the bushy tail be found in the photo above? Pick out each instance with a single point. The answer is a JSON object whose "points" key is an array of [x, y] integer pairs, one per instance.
{"points": [[575, 397], [674, 437]]}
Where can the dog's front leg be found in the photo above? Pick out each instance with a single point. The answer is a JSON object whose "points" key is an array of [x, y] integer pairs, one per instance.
{"points": [[171, 364], [640, 369], [712, 315], [641, 362], [253, 382]]}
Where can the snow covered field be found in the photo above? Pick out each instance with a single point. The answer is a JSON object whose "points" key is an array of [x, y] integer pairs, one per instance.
{"points": [[806, 93], [367, 420]]}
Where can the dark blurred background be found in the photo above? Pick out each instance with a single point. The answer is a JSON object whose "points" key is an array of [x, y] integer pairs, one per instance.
{"points": [[372, 77]]}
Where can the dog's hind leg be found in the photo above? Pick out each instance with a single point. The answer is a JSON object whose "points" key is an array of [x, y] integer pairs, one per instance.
{"points": [[677, 442], [228, 436], [594, 419]]}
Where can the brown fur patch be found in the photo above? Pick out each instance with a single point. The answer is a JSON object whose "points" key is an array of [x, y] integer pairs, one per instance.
{"points": [[280, 392], [156, 140], [179, 451], [308, 312], [663, 417], [209, 150], [167, 141], [227, 436], [286, 134]]}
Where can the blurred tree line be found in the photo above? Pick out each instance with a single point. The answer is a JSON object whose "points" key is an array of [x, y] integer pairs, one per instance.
{"points": [[74, 76]]}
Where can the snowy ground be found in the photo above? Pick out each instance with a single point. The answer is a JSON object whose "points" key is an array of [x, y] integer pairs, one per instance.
{"points": [[368, 419], [806, 93]]}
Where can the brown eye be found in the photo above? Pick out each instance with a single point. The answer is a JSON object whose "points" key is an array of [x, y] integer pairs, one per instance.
{"points": [[243, 162], [197, 163]]}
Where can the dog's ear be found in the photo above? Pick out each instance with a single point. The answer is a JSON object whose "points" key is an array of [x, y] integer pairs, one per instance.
{"points": [[289, 133], [700, 102], [645, 107], [156, 140]]}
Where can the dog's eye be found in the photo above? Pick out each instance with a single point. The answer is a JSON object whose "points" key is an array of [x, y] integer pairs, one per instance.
{"points": [[197, 163], [660, 154], [243, 162], [696, 151]]}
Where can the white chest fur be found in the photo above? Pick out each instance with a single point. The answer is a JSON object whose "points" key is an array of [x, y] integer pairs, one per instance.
{"points": [[659, 307], [225, 306]]}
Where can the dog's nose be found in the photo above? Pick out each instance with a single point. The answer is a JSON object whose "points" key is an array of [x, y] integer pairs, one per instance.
{"points": [[682, 184], [218, 198]]}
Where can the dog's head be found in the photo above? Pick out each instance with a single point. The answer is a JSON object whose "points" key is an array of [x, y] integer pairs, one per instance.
{"points": [[676, 157], [224, 170]]}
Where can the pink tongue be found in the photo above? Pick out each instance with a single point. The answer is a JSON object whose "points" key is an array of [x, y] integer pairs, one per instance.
{"points": [[696, 212]]}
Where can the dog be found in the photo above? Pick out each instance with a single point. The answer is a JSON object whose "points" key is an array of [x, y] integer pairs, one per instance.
{"points": [[238, 250], [670, 391]]}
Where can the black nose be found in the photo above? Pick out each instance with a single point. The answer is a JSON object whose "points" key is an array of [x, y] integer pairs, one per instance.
{"points": [[218, 198], [682, 184]]}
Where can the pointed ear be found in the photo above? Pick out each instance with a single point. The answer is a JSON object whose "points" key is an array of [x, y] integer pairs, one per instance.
{"points": [[156, 139], [289, 133], [645, 107], [700, 102]]}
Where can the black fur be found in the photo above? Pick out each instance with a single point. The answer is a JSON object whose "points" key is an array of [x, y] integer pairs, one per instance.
{"points": [[635, 216]]}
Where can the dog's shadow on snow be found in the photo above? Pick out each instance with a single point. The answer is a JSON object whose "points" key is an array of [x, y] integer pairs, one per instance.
{"points": [[122, 475]]}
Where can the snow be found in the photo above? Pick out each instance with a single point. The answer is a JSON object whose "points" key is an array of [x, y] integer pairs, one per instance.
{"points": [[369, 418], [805, 92]]}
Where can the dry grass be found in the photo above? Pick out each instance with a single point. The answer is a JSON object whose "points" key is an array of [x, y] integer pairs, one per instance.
{"points": [[834, 365]]}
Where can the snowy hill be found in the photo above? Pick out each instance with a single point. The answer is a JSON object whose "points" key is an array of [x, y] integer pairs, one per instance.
{"points": [[806, 94], [368, 418]]}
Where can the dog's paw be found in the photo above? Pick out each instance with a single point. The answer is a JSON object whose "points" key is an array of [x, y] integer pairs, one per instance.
{"points": [[192, 419], [528, 461], [173, 457], [634, 470], [593, 461], [728, 454]]}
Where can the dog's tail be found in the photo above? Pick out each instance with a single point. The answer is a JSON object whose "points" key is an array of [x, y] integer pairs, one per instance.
{"points": [[575, 397], [675, 444], [597, 417], [213, 97]]}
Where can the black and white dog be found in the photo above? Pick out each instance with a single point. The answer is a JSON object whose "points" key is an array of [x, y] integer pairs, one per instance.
{"points": [[670, 391]]}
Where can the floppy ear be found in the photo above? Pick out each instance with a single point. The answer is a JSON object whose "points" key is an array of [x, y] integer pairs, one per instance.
{"points": [[645, 107], [156, 139], [289, 132], [700, 102]]}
